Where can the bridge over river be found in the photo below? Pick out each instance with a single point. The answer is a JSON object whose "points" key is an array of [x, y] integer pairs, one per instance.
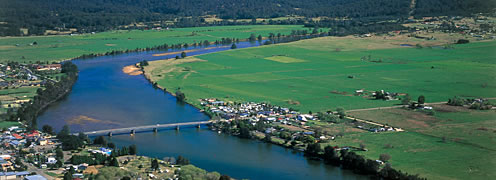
{"points": [[154, 128]]}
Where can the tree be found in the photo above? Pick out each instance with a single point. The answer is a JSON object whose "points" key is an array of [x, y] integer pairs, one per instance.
{"points": [[59, 154], [100, 140], [154, 164], [259, 38], [47, 128], [421, 99], [67, 176], [406, 100], [384, 157], [252, 37], [341, 112], [183, 54], [313, 149], [182, 160], [114, 162], [268, 138], [233, 46], [133, 150], [180, 96], [309, 139], [225, 177], [64, 132], [111, 145], [330, 155]]}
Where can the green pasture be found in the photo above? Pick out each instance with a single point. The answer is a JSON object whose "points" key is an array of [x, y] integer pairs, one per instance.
{"points": [[320, 79], [55, 48], [7, 124], [425, 155]]}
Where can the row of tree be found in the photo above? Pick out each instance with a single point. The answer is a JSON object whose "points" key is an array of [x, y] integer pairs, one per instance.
{"points": [[96, 15], [350, 160], [28, 112]]}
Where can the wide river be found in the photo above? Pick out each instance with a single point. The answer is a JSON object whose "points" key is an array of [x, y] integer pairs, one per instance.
{"points": [[104, 97]]}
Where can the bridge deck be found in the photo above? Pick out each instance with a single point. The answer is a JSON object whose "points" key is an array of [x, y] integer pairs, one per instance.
{"points": [[144, 128]]}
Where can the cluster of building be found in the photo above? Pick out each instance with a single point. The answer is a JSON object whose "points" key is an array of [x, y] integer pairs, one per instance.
{"points": [[255, 112], [16, 75], [14, 138]]}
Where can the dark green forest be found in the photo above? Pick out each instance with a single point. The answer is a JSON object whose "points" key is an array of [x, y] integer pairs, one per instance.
{"points": [[101, 15]]}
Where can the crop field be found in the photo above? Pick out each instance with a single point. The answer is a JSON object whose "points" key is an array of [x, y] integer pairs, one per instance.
{"points": [[55, 48], [324, 73]]}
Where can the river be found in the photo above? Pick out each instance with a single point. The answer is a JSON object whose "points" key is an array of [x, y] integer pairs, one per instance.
{"points": [[104, 97]]}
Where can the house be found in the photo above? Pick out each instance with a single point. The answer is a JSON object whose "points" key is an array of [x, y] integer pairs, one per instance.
{"points": [[42, 142], [35, 177], [7, 175], [5, 156], [78, 175], [49, 67], [51, 160], [13, 175]]}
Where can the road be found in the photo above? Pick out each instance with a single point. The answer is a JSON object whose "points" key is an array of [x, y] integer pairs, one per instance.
{"points": [[32, 168]]}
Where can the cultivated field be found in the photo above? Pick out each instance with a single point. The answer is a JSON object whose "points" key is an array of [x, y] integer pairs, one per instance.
{"points": [[323, 74], [54, 48]]}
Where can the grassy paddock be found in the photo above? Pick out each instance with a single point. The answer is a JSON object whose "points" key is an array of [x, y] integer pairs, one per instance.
{"points": [[317, 78], [321, 81], [53, 48], [7, 124]]}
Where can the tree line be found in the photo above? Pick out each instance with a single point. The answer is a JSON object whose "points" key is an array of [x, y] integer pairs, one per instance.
{"points": [[96, 15], [28, 112]]}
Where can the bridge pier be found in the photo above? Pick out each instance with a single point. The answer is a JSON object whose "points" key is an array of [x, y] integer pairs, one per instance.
{"points": [[177, 128], [155, 130], [133, 132], [198, 126], [110, 134]]}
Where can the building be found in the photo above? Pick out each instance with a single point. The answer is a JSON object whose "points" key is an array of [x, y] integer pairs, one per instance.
{"points": [[35, 177]]}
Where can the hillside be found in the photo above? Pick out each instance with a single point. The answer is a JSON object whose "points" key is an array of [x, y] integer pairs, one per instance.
{"points": [[95, 15]]}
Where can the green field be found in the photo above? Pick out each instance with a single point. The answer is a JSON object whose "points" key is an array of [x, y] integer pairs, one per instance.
{"points": [[314, 75], [317, 77], [53, 48], [467, 153]]}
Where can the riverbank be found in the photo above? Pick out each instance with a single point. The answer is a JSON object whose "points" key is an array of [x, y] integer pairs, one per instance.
{"points": [[132, 70], [57, 48]]}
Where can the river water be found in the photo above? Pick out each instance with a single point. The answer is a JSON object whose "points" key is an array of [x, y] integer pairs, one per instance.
{"points": [[104, 97]]}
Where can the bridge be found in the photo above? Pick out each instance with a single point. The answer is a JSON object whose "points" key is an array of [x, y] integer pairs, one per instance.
{"points": [[154, 128]]}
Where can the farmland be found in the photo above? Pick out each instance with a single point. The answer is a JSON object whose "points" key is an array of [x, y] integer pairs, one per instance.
{"points": [[56, 48], [323, 74], [457, 136]]}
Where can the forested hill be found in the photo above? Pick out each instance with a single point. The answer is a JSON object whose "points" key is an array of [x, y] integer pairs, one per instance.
{"points": [[100, 15]]}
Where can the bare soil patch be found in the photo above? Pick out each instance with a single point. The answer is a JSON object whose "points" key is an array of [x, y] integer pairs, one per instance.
{"points": [[171, 53], [132, 70]]}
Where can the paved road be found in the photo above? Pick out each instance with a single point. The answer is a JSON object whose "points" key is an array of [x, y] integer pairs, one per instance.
{"points": [[32, 168]]}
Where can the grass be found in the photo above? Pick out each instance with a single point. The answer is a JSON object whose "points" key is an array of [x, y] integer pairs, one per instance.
{"points": [[428, 156], [7, 124], [284, 59], [319, 79], [320, 82], [55, 48]]}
